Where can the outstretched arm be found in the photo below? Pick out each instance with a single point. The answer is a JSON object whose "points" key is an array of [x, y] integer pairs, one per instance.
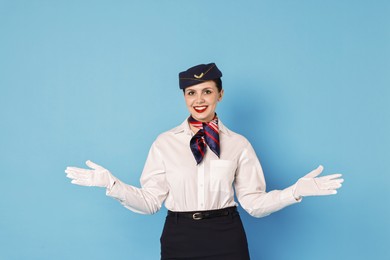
{"points": [[251, 192], [145, 200]]}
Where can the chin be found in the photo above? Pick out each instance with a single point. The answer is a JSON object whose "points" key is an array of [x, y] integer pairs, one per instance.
{"points": [[202, 117]]}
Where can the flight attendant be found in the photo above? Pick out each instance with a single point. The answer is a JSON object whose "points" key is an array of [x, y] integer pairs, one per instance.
{"points": [[195, 169]]}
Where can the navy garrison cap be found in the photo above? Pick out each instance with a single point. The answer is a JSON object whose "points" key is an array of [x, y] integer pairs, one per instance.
{"points": [[198, 74]]}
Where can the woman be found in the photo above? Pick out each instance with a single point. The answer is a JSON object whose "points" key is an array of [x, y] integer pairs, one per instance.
{"points": [[194, 168]]}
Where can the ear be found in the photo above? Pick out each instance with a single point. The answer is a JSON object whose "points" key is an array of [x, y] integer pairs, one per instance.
{"points": [[220, 95]]}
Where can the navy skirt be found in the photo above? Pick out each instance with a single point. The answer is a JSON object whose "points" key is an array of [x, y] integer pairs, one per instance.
{"points": [[215, 238]]}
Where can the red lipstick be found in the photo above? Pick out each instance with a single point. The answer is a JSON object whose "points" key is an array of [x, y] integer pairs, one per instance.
{"points": [[200, 109]]}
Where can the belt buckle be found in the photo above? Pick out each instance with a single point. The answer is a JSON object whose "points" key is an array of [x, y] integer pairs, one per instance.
{"points": [[197, 216]]}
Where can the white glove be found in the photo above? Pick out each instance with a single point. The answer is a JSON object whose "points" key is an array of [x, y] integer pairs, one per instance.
{"points": [[98, 176], [309, 185]]}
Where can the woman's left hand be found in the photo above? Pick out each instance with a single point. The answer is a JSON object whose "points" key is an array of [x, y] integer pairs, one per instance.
{"points": [[311, 185]]}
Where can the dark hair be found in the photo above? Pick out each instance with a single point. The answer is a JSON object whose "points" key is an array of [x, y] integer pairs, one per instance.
{"points": [[218, 83]]}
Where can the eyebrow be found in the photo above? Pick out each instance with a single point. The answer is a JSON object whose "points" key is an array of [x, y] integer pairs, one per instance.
{"points": [[207, 88]]}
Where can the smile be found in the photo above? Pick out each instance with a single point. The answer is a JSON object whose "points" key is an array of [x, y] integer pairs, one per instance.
{"points": [[200, 109]]}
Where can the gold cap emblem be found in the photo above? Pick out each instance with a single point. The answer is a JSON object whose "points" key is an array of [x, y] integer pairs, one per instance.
{"points": [[199, 77]]}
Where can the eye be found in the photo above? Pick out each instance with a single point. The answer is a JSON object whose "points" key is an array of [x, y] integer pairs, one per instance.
{"points": [[190, 93], [207, 91]]}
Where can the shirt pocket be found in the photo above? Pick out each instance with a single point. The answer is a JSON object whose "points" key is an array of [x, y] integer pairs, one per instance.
{"points": [[222, 175]]}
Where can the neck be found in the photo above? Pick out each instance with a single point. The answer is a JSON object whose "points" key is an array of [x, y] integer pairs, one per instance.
{"points": [[204, 120], [193, 129], [195, 125]]}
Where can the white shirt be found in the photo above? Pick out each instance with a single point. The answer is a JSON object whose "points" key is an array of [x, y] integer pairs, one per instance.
{"points": [[172, 175]]}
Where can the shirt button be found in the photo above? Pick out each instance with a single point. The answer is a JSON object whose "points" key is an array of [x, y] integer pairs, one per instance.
{"points": [[201, 204], [201, 185]]}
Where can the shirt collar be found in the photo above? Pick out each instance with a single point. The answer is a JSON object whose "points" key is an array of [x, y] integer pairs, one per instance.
{"points": [[185, 128]]}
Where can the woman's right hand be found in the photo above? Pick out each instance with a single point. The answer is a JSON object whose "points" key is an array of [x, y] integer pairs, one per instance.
{"points": [[96, 176]]}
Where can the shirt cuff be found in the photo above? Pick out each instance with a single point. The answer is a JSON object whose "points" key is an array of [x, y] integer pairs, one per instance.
{"points": [[113, 189], [287, 195]]}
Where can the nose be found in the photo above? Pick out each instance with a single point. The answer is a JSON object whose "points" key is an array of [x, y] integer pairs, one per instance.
{"points": [[199, 99]]}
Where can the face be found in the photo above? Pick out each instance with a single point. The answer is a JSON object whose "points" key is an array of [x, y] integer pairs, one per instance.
{"points": [[202, 99]]}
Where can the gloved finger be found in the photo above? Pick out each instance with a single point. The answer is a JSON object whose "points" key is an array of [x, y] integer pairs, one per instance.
{"points": [[75, 169], [325, 181], [69, 173], [326, 192], [330, 177], [328, 185], [328, 182], [336, 181], [335, 186], [80, 173], [71, 176], [78, 176], [331, 186], [81, 182], [315, 173], [94, 165]]}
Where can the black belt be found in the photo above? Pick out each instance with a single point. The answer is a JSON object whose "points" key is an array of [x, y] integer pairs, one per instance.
{"points": [[198, 215]]}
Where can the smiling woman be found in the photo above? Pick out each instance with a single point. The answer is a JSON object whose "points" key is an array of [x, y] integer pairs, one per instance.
{"points": [[203, 221]]}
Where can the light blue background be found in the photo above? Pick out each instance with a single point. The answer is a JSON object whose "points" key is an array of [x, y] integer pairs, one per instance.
{"points": [[307, 82]]}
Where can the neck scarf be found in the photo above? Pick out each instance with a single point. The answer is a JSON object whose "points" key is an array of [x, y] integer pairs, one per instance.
{"points": [[208, 134]]}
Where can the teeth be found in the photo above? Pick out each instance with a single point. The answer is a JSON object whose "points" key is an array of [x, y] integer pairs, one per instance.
{"points": [[200, 108]]}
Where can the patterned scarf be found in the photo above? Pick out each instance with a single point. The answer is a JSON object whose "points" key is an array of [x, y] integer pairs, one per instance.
{"points": [[208, 134]]}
